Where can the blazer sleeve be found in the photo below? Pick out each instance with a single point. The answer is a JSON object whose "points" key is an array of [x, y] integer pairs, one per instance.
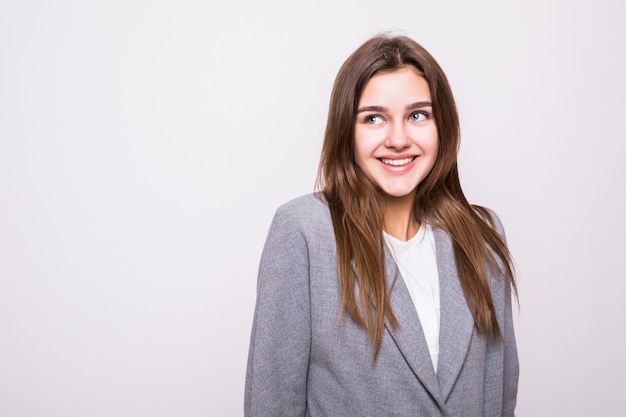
{"points": [[278, 358], [510, 360], [511, 363]]}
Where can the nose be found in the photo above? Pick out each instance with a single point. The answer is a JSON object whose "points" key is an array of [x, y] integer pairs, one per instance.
{"points": [[398, 137]]}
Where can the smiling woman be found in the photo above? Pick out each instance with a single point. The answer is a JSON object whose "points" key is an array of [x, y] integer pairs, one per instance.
{"points": [[395, 136], [386, 292]]}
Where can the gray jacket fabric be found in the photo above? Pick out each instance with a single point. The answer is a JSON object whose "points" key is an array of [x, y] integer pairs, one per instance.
{"points": [[305, 361]]}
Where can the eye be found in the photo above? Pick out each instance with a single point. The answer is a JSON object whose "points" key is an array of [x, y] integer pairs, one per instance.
{"points": [[418, 116], [373, 119]]}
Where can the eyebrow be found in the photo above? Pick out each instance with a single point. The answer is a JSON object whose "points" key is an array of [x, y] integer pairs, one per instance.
{"points": [[412, 106]]}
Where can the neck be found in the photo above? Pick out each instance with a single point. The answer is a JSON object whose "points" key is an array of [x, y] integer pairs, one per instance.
{"points": [[399, 218]]}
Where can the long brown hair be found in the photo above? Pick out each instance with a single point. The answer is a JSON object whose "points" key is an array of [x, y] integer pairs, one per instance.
{"points": [[356, 206]]}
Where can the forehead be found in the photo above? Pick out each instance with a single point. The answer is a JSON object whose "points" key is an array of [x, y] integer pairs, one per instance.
{"points": [[405, 84]]}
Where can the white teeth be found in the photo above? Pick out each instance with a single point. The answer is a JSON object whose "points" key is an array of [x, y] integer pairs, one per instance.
{"points": [[396, 162]]}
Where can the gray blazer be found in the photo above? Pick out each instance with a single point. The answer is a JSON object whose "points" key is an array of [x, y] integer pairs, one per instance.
{"points": [[303, 361]]}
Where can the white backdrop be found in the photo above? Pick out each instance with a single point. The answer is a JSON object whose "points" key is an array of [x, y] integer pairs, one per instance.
{"points": [[144, 146]]}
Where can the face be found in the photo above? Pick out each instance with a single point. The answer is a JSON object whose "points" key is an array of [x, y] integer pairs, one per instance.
{"points": [[395, 133]]}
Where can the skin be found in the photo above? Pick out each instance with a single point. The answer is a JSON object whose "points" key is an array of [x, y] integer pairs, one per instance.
{"points": [[396, 142]]}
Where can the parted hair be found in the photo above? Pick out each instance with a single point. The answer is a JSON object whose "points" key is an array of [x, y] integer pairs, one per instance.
{"points": [[356, 204]]}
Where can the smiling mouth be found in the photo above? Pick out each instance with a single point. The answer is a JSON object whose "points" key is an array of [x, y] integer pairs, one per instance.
{"points": [[397, 162]]}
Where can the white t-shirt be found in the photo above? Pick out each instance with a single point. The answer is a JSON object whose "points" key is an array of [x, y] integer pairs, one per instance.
{"points": [[417, 262]]}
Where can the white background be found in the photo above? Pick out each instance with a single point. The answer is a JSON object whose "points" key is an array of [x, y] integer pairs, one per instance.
{"points": [[144, 146]]}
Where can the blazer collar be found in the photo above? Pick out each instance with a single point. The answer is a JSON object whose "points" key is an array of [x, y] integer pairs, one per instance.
{"points": [[456, 323], [408, 335]]}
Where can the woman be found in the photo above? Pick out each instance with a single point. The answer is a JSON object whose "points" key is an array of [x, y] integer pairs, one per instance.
{"points": [[386, 293]]}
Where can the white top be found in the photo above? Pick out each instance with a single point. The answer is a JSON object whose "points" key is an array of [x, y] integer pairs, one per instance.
{"points": [[417, 262]]}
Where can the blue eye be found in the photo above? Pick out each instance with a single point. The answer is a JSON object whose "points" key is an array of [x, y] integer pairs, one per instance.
{"points": [[373, 119], [418, 116]]}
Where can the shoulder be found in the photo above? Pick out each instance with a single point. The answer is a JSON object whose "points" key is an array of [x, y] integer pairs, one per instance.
{"points": [[301, 225], [305, 219], [304, 203], [306, 211], [492, 218]]}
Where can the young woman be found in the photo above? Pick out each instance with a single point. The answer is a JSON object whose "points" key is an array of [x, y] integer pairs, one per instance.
{"points": [[385, 293]]}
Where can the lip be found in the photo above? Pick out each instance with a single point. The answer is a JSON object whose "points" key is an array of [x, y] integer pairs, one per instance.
{"points": [[398, 169]]}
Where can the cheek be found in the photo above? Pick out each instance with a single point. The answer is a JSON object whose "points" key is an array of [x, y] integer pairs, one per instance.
{"points": [[361, 148], [430, 147], [431, 143], [357, 149], [359, 156], [434, 146]]}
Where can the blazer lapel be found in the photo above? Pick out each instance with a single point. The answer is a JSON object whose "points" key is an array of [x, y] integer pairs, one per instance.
{"points": [[456, 322], [409, 336]]}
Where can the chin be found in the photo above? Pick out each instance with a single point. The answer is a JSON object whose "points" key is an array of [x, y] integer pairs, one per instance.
{"points": [[399, 193]]}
